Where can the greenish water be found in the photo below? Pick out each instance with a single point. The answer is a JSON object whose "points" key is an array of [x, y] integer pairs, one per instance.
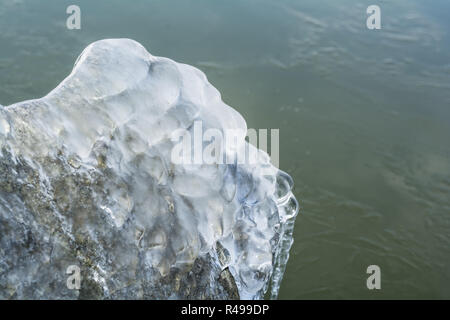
{"points": [[364, 116]]}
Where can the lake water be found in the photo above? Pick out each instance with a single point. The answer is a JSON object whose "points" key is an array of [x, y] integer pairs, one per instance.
{"points": [[364, 116]]}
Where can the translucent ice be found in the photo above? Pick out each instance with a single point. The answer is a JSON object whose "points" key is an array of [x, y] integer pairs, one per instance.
{"points": [[86, 179]]}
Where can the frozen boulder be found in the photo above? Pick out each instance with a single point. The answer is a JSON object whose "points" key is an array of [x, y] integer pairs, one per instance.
{"points": [[88, 181]]}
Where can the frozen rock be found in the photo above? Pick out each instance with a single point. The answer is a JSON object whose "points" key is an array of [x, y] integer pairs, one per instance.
{"points": [[86, 179]]}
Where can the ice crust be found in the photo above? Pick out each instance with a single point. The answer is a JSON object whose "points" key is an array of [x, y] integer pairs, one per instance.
{"points": [[86, 179]]}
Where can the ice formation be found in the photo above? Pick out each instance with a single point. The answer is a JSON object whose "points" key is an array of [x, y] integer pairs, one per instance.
{"points": [[86, 179]]}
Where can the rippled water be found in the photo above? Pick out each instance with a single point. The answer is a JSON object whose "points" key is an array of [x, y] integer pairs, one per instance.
{"points": [[364, 116]]}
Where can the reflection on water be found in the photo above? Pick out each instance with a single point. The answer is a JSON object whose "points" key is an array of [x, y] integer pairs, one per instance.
{"points": [[364, 116]]}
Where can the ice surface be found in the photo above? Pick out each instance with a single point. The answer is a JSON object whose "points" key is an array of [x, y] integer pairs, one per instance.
{"points": [[86, 179]]}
